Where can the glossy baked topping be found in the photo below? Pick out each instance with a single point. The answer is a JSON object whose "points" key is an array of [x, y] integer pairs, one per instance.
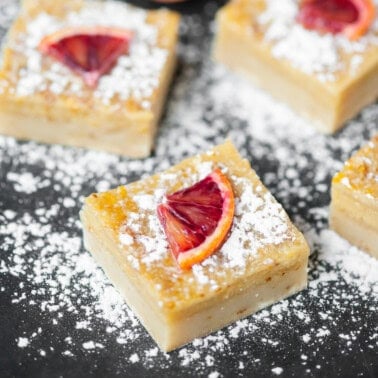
{"points": [[360, 172]]}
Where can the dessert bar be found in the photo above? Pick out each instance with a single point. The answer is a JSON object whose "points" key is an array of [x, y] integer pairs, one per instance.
{"points": [[87, 73], [354, 205], [326, 70], [196, 247]]}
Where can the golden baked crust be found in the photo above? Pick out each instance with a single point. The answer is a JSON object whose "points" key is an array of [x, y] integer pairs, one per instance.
{"points": [[360, 172]]}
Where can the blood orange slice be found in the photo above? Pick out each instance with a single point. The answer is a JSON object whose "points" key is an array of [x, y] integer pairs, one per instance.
{"points": [[196, 220], [89, 52], [350, 17]]}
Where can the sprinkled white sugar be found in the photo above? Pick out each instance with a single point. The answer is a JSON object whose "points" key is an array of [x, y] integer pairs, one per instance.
{"points": [[214, 374], [125, 238], [68, 202], [204, 168], [22, 342], [152, 352], [198, 273], [145, 201], [92, 345], [277, 370], [310, 51], [9, 214], [259, 221], [134, 358], [367, 268], [135, 75]]}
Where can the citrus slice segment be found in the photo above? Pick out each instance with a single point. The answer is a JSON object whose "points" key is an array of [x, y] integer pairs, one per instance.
{"points": [[196, 220], [350, 17], [90, 52]]}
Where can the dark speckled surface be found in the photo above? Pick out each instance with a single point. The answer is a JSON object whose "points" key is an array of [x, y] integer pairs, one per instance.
{"points": [[285, 337]]}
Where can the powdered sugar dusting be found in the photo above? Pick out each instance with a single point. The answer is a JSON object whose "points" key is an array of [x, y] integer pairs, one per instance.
{"points": [[63, 299], [259, 222]]}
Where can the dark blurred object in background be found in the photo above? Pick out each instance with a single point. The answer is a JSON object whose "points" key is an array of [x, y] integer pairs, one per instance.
{"points": [[168, 1]]}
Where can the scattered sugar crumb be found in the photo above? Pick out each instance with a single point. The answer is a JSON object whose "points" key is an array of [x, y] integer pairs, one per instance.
{"points": [[134, 358], [277, 370], [22, 342], [92, 345], [214, 374]]}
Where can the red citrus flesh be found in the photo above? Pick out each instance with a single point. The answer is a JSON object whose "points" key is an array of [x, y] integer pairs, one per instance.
{"points": [[196, 220], [350, 17], [89, 52]]}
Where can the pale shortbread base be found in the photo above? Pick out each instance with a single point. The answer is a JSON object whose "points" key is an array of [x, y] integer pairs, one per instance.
{"points": [[170, 334], [356, 231], [327, 106]]}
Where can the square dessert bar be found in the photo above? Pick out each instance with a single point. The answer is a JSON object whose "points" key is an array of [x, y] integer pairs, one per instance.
{"points": [[44, 100], [354, 205], [263, 259], [325, 78]]}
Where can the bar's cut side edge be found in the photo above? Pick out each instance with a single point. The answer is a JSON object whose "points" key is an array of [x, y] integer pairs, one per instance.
{"points": [[355, 231], [238, 307], [120, 140]]}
